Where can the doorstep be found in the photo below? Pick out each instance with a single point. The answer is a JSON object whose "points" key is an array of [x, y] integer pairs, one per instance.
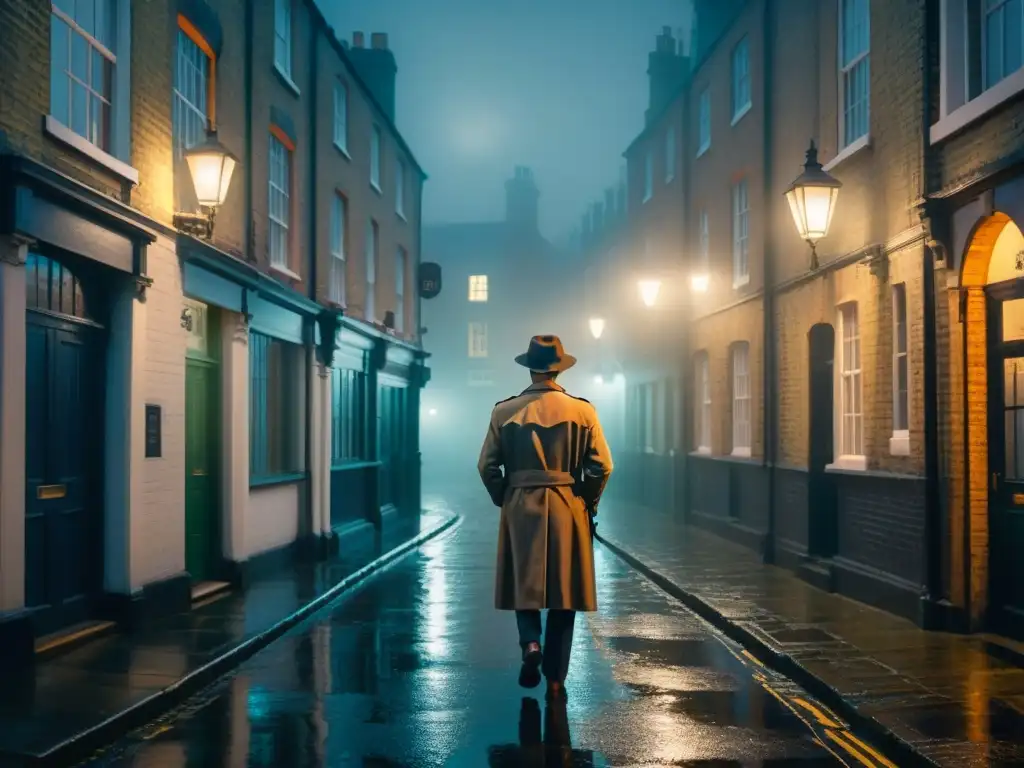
{"points": [[70, 705]]}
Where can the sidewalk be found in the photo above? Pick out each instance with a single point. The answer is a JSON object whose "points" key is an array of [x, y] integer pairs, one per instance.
{"points": [[82, 700], [927, 697]]}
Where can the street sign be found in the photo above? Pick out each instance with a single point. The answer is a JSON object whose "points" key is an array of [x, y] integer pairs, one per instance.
{"points": [[430, 280]]}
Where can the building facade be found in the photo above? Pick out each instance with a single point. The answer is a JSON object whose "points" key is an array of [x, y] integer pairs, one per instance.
{"points": [[180, 406]]}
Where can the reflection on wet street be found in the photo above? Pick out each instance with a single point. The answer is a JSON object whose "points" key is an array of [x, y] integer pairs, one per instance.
{"points": [[417, 669]]}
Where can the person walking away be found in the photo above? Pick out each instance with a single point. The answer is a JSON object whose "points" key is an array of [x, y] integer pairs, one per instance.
{"points": [[556, 464]]}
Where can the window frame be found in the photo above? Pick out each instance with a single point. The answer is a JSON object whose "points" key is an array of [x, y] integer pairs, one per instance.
{"points": [[670, 154], [348, 416], [290, 425], [340, 127], [279, 138], [741, 80], [339, 250], [187, 30], [478, 333], [371, 255], [479, 289], [899, 443], [741, 400], [401, 267], [846, 70], [400, 188], [376, 157], [648, 174], [856, 459], [740, 233], [702, 404], [284, 38], [704, 121], [983, 46]]}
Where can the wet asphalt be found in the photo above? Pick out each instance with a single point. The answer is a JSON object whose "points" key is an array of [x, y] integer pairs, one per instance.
{"points": [[417, 669]]}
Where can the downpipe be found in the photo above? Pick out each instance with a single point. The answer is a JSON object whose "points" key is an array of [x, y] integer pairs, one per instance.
{"points": [[768, 302]]}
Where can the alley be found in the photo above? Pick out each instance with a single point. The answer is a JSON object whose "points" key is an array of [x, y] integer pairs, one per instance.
{"points": [[416, 669]]}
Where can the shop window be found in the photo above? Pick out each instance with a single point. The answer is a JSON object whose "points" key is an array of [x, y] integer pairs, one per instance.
{"points": [[348, 416], [275, 407]]}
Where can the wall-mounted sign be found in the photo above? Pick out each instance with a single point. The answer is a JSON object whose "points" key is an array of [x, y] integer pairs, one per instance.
{"points": [[430, 280], [154, 448]]}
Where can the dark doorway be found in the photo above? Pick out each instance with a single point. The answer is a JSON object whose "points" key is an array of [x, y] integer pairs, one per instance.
{"points": [[822, 509]]}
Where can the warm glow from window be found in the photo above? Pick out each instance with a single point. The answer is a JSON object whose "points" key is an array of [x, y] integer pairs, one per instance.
{"points": [[478, 287]]}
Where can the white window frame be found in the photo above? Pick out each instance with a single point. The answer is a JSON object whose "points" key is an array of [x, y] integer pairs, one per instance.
{"points": [[985, 14], [279, 180], [400, 188], [117, 155], [742, 431], [283, 37], [742, 98], [704, 121], [959, 106], [702, 434], [899, 443], [648, 174], [341, 117], [670, 154], [375, 157], [850, 70], [849, 384], [339, 237], [478, 288], [401, 265], [371, 254], [478, 339], [190, 119], [740, 234]]}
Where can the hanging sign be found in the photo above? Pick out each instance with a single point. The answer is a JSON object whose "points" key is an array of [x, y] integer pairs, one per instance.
{"points": [[430, 280]]}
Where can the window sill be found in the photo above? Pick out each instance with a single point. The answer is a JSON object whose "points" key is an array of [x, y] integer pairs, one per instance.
{"points": [[704, 149], [899, 443], [283, 479], [401, 215], [739, 113], [740, 282], [670, 179], [977, 107], [342, 149], [847, 152], [286, 79], [286, 272], [849, 464], [701, 451], [741, 453], [376, 188], [647, 197], [62, 133]]}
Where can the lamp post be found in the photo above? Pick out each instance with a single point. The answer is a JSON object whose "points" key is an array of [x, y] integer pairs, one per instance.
{"points": [[211, 166], [812, 201]]}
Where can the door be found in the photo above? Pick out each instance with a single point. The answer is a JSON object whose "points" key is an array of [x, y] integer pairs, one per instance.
{"points": [[63, 465], [202, 519], [822, 509]]}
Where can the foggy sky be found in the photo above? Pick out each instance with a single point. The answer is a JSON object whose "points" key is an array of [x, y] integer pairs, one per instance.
{"points": [[484, 85]]}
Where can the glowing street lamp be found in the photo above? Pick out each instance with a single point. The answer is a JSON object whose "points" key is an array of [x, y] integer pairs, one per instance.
{"points": [[649, 290], [211, 166], [699, 283], [812, 200], [596, 327]]}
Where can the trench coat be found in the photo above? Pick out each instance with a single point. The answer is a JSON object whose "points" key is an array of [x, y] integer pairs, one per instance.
{"points": [[556, 464]]}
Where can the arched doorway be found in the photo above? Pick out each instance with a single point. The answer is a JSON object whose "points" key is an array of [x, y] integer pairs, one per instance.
{"points": [[822, 510], [63, 447]]}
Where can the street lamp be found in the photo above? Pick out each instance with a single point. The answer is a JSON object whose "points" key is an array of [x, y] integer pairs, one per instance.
{"points": [[596, 327], [211, 166], [812, 200], [649, 291], [699, 283]]}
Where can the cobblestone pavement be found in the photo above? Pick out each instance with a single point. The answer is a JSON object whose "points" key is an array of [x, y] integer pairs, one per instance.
{"points": [[417, 669], [958, 700]]}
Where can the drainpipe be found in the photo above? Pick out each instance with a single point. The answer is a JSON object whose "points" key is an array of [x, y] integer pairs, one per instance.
{"points": [[768, 302], [250, 235], [311, 265], [422, 358]]}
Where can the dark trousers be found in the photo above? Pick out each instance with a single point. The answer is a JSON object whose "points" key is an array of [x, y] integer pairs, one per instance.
{"points": [[557, 639]]}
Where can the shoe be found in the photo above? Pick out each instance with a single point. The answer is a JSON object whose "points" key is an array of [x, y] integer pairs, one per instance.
{"points": [[529, 673], [556, 691]]}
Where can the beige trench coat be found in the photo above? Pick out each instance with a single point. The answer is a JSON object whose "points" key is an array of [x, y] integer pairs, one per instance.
{"points": [[556, 463]]}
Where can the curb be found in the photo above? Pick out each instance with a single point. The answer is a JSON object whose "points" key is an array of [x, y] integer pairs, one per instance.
{"points": [[902, 752], [81, 745]]}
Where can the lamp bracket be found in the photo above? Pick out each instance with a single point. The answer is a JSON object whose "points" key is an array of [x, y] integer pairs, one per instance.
{"points": [[196, 224]]}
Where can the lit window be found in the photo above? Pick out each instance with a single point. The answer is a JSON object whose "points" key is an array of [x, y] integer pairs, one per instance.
{"points": [[740, 79], [704, 122], [280, 202], [275, 440], [740, 235], [648, 175], [375, 158], [1002, 39], [741, 399], [670, 155], [855, 72], [82, 68], [900, 443], [478, 287], [478, 339], [339, 236], [372, 235], [283, 36], [401, 261], [193, 89], [851, 422], [703, 386], [400, 188], [341, 116]]}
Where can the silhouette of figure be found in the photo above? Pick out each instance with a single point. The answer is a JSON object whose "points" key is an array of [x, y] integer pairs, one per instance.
{"points": [[536, 750]]}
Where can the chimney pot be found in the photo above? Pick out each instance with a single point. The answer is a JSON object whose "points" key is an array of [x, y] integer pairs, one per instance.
{"points": [[358, 40], [379, 41]]}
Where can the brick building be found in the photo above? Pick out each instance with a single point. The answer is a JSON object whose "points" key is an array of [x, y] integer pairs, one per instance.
{"points": [[179, 407]]}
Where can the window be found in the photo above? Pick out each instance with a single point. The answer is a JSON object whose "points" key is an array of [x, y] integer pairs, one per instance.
{"points": [[478, 287], [855, 73], [900, 442], [400, 188], [375, 158], [348, 416], [704, 245], [280, 201], [275, 407], [670, 155], [740, 232], [704, 122], [478, 339], [740, 79], [480, 378], [648, 175], [851, 416], [193, 88], [1002, 40], [702, 434], [82, 68], [339, 236], [283, 36], [401, 260], [341, 116], [372, 235], [741, 399]]}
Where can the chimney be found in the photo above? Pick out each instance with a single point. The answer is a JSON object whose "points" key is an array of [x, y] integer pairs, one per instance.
{"points": [[521, 196], [377, 67], [667, 70]]}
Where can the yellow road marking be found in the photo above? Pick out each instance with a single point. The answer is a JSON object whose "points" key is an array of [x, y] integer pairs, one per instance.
{"points": [[820, 716], [879, 758], [751, 657], [849, 748]]}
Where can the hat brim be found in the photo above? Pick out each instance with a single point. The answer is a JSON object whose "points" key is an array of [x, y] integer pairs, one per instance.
{"points": [[567, 362]]}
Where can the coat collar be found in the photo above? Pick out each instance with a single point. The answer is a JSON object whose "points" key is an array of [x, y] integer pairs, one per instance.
{"points": [[548, 385]]}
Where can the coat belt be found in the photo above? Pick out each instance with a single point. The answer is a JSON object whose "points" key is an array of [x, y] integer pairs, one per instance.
{"points": [[540, 478]]}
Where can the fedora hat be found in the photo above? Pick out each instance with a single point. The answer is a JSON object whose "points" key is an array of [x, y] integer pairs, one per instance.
{"points": [[546, 355]]}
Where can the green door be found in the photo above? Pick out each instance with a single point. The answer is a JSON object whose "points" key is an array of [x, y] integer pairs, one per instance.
{"points": [[202, 542]]}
